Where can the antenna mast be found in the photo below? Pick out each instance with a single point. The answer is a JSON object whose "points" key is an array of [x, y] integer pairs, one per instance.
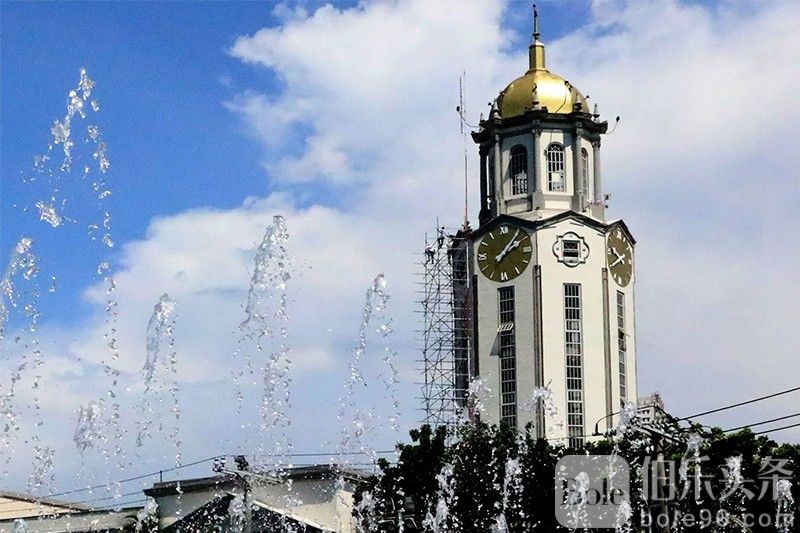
{"points": [[462, 112]]}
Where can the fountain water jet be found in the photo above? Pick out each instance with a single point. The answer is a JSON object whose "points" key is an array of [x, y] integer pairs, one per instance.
{"points": [[512, 489], [357, 424], [365, 511], [440, 520], [785, 505], [159, 375], [51, 209], [147, 517], [24, 262], [265, 330]]}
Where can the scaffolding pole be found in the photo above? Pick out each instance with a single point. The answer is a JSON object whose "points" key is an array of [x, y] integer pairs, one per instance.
{"points": [[447, 317]]}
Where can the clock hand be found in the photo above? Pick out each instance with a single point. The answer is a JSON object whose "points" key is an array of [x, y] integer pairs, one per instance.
{"points": [[499, 257], [620, 257]]}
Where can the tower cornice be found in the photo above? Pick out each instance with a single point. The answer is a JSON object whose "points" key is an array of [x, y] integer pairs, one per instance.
{"points": [[534, 225], [538, 119]]}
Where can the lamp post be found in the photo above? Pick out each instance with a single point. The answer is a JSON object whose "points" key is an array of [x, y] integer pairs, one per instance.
{"points": [[659, 511]]}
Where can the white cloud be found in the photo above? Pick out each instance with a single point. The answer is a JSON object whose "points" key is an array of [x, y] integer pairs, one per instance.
{"points": [[378, 84], [203, 259], [322, 159], [703, 167], [701, 170]]}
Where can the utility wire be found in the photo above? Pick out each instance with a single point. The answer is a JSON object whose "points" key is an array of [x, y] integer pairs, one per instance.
{"points": [[73, 506], [117, 505], [323, 454], [127, 480], [776, 429], [761, 423], [121, 505], [113, 496], [175, 468], [740, 404]]}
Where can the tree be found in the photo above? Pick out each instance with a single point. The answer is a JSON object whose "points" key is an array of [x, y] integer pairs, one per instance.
{"points": [[489, 478]]}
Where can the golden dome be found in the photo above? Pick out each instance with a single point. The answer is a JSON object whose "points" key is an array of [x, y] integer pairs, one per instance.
{"points": [[551, 91]]}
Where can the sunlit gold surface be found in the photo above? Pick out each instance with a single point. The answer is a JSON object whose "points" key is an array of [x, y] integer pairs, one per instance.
{"points": [[553, 91]]}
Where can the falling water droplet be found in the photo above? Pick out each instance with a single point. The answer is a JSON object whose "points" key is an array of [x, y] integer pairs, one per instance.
{"points": [[48, 213]]}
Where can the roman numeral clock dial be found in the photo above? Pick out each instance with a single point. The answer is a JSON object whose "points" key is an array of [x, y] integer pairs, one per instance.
{"points": [[504, 253], [619, 257]]}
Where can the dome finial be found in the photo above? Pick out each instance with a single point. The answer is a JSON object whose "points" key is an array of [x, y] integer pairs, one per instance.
{"points": [[536, 50]]}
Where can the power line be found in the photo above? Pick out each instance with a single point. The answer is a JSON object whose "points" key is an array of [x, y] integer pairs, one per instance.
{"points": [[762, 423], [115, 505], [72, 507], [121, 505], [127, 480], [777, 429], [324, 454], [113, 496], [740, 404], [173, 469]]}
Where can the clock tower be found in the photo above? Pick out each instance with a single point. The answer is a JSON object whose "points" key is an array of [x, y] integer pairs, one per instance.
{"points": [[550, 279]]}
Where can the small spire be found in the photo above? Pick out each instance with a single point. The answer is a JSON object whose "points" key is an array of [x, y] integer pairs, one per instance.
{"points": [[536, 50]]}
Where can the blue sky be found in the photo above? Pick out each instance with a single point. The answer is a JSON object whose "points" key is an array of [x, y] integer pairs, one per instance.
{"points": [[173, 145], [219, 115], [163, 71]]}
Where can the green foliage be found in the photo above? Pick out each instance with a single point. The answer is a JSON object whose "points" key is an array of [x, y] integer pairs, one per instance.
{"points": [[754, 497], [408, 488], [476, 490]]}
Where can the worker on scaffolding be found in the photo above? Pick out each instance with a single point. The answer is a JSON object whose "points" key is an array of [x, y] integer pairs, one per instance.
{"points": [[440, 239], [430, 253]]}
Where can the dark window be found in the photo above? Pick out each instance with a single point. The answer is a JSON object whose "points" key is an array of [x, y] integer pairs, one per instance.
{"points": [[519, 170], [622, 347], [572, 251], [556, 181], [573, 348], [508, 357], [587, 185]]}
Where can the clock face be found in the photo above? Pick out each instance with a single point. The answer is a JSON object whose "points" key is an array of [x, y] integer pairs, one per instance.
{"points": [[619, 257], [504, 253]]}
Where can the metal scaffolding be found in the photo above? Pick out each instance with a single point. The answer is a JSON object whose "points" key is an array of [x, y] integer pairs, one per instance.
{"points": [[447, 317]]}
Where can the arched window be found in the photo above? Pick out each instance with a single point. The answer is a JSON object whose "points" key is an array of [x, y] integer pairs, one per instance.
{"points": [[556, 181], [519, 170], [587, 185]]}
